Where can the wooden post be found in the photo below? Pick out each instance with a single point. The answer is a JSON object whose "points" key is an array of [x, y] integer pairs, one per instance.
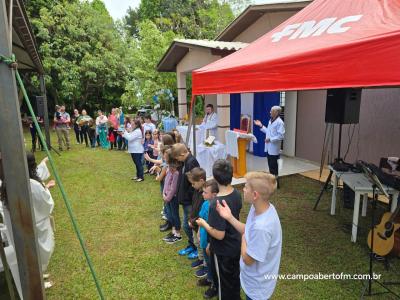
{"points": [[46, 111], [194, 127], [16, 175]]}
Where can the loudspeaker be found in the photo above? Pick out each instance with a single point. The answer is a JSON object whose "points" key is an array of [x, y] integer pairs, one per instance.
{"points": [[343, 106], [40, 106]]}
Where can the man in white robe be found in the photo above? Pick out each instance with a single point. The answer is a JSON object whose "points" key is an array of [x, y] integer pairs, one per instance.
{"points": [[210, 122], [43, 206]]}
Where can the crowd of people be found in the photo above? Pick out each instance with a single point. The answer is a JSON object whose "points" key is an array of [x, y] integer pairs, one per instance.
{"points": [[101, 131], [227, 254]]}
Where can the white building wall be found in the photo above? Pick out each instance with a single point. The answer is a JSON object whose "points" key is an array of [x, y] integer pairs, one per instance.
{"points": [[246, 108], [289, 144]]}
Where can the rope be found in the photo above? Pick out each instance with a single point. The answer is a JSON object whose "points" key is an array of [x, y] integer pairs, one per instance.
{"points": [[10, 61]]}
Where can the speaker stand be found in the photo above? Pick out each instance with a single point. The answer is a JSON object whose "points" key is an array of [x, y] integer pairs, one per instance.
{"points": [[337, 161]]}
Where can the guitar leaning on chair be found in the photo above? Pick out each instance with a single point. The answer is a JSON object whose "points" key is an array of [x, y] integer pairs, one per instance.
{"points": [[384, 233]]}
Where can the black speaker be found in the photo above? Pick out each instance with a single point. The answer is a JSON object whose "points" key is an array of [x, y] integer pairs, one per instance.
{"points": [[40, 106], [343, 106]]}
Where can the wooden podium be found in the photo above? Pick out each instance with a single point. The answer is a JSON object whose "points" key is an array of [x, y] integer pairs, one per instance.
{"points": [[241, 138], [239, 164]]}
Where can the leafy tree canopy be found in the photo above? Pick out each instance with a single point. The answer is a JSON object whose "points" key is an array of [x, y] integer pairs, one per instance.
{"points": [[93, 62], [83, 53], [145, 52], [196, 19]]}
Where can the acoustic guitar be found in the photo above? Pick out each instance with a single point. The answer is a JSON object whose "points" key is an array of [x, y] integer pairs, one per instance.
{"points": [[396, 247], [384, 233]]}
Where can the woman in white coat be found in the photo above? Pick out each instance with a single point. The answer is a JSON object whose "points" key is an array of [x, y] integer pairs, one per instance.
{"points": [[135, 148]]}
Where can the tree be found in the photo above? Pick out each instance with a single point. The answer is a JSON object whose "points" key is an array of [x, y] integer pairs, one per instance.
{"points": [[83, 54], [144, 54], [238, 6], [34, 6], [152, 27], [196, 19]]}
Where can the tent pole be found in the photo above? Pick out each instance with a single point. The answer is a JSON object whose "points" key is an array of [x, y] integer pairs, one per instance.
{"points": [[10, 18], [16, 175], [194, 129]]}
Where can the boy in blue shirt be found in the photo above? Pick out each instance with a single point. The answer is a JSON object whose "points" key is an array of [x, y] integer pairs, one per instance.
{"points": [[210, 190], [225, 240]]}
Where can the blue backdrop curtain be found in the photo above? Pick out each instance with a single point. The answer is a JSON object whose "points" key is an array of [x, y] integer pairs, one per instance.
{"points": [[235, 111], [262, 106]]}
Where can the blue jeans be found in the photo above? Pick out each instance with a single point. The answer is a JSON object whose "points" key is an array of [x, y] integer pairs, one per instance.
{"points": [[120, 141], [186, 214], [137, 160], [207, 259], [172, 208]]}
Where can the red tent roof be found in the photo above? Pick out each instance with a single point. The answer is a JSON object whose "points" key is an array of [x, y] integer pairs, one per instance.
{"points": [[328, 44]]}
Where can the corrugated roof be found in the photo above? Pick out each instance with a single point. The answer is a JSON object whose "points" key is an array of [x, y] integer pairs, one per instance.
{"points": [[180, 47], [213, 44]]}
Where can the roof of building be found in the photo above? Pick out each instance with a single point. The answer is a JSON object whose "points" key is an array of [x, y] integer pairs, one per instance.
{"points": [[23, 41], [253, 12], [223, 44], [179, 47]]}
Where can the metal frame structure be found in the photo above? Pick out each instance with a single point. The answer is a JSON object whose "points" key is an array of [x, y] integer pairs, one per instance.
{"points": [[13, 153]]}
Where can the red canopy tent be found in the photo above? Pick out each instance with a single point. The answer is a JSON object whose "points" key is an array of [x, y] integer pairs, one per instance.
{"points": [[329, 44]]}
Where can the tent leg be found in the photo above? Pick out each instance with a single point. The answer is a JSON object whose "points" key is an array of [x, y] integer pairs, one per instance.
{"points": [[16, 175]]}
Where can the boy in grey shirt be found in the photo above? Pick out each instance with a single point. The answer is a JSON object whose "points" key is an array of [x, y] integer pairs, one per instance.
{"points": [[262, 237]]}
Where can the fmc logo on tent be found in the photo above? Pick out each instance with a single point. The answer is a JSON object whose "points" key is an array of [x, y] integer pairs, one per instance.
{"points": [[312, 28]]}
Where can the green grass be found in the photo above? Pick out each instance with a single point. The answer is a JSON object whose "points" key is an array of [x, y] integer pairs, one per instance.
{"points": [[119, 221]]}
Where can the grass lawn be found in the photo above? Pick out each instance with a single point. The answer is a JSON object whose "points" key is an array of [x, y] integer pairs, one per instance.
{"points": [[119, 220]]}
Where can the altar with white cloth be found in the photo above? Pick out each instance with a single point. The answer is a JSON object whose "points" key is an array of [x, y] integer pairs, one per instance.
{"points": [[231, 138], [200, 135], [236, 144], [207, 155]]}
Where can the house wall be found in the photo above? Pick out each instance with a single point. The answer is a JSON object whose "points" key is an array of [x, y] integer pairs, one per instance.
{"points": [[263, 25], [194, 59], [310, 124], [289, 144], [246, 108], [377, 134], [224, 117], [211, 99]]}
